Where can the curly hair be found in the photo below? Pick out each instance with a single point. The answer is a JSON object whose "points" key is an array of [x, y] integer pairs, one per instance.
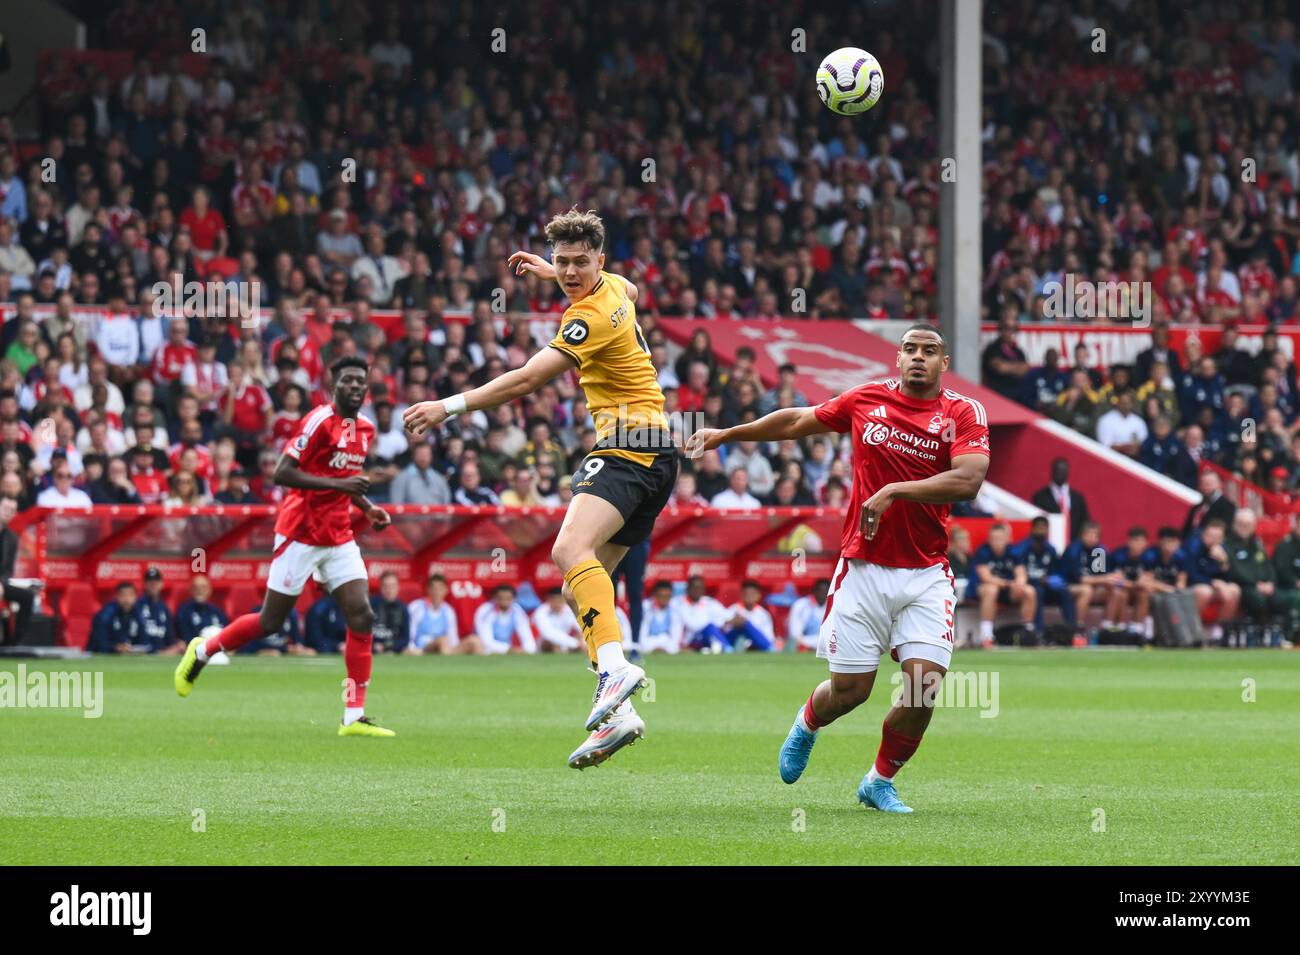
{"points": [[575, 226]]}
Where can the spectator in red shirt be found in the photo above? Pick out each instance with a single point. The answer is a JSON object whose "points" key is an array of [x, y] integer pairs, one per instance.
{"points": [[253, 198], [150, 483], [205, 378], [1188, 232], [263, 483], [307, 352], [245, 410], [284, 421], [206, 225], [691, 394], [1171, 264], [170, 360], [192, 439]]}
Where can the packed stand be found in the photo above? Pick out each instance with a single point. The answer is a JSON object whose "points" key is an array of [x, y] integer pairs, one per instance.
{"points": [[1175, 163]]}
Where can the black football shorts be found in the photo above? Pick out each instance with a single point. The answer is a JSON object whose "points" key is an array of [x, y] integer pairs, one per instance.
{"points": [[639, 491]]}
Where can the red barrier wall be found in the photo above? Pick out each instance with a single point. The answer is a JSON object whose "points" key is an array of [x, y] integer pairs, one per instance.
{"points": [[1117, 498]]}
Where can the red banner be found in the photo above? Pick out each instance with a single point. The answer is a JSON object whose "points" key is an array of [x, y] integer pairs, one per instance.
{"points": [[830, 357], [1117, 345]]}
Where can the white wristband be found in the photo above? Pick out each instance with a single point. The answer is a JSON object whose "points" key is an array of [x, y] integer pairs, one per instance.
{"points": [[454, 405]]}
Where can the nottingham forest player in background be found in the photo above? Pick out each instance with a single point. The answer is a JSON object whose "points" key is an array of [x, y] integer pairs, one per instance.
{"points": [[623, 484], [322, 468]]}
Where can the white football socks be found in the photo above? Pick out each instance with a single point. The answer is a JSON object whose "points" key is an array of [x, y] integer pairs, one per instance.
{"points": [[352, 713], [609, 657], [803, 724]]}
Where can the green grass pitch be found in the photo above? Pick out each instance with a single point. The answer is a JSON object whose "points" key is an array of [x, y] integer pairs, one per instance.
{"points": [[1094, 758]]}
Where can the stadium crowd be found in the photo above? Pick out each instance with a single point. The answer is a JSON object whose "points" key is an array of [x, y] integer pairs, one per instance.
{"points": [[233, 166], [1176, 163], [339, 162]]}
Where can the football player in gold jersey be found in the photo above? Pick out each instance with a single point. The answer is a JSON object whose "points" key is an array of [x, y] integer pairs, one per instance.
{"points": [[623, 484]]}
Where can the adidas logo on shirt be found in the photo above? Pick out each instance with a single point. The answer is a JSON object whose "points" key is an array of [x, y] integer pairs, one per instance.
{"points": [[878, 413]]}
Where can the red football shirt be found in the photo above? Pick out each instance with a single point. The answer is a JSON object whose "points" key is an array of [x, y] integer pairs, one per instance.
{"points": [[308, 355], [204, 467], [251, 402], [283, 427], [328, 446], [897, 438], [170, 360], [151, 485], [203, 230]]}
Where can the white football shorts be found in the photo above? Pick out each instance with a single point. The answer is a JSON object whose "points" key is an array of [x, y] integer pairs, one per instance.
{"points": [[295, 561], [875, 610]]}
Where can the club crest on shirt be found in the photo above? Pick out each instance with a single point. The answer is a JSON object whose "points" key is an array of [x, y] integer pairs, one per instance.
{"points": [[936, 423]]}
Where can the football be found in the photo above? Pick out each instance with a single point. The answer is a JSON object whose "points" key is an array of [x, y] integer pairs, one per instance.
{"points": [[850, 81]]}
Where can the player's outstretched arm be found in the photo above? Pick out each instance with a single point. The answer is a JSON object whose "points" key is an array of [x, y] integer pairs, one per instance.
{"points": [[541, 368], [527, 262], [777, 426]]}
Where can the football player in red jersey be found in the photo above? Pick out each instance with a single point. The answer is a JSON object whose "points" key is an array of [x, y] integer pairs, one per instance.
{"points": [[321, 466], [917, 448]]}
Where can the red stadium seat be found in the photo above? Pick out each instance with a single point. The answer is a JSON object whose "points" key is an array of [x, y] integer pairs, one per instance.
{"points": [[76, 607], [728, 593], [780, 617], [465, 608], [241, 599]]}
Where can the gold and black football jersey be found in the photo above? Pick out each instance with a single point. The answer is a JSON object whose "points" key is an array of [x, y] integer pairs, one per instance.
{"points": [[601, 335]]}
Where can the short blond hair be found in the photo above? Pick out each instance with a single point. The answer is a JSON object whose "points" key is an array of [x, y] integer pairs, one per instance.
{"points": [[575, 226]]}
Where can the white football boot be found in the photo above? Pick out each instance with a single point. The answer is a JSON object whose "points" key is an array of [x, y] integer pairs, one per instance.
{"points": [[613, 688], [622, 729]]}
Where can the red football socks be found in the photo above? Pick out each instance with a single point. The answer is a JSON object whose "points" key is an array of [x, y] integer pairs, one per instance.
{"points": [[357, 655], [810, 717], [895, 750]]}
